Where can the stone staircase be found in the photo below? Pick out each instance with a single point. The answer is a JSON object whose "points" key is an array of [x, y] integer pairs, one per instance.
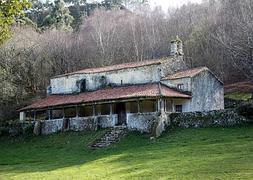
{"points": [[110, 137]]}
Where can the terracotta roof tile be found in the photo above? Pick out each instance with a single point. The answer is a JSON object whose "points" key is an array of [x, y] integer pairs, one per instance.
{"points": [[186, 73], [116, 93], [115, 67]]}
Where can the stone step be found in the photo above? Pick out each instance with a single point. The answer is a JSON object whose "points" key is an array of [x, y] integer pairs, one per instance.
{"points": [[114, 135]]}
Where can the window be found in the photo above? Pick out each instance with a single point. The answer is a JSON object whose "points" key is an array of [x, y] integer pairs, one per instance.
{"points": [[180, 86], [132, 107], [70, 112], [86, 111], [179, 108], [148, 106]]}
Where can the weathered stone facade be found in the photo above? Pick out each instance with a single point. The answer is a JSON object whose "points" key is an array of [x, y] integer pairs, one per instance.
{"points": [[206, 90], [207, 93], [139, 75], [141, 121], [83, 124], [224, 118], [107, 121], [134, 94], [51, 126]]}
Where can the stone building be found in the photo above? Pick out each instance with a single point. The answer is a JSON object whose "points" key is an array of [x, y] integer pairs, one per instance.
{"points": [[138, 95]]}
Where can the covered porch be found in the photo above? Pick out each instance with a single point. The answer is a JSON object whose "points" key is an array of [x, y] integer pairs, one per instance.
{"points": [[136, 113]]}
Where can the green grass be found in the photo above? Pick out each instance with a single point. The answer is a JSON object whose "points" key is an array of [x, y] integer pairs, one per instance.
{"points": [[212, 153], [238, 96]]}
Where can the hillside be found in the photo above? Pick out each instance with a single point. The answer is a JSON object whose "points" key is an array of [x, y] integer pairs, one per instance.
{"points": [[239, 91], [212, 153]]}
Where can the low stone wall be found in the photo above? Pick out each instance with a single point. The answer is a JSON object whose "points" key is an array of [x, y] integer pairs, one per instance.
{"points": [[75, 124], [51, 126], [106, 121], [83, 123], [16, 129], [224, 118], [141, 121]]}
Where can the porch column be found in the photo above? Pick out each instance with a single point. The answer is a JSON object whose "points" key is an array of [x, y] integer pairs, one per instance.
{"points": [[159, 105], [22, 116], [63, 113], [49, 114], [77, 112], [34, 115], [111, 109], [162, 105], [139, 107], [94, 110], [173, 105]]}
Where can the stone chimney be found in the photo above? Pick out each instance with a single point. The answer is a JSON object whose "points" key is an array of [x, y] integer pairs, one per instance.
{"points": [[173, 48], [176, 47]]}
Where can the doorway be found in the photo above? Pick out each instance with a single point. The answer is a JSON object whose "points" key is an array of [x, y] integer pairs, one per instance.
{"points": [[121, 111]]}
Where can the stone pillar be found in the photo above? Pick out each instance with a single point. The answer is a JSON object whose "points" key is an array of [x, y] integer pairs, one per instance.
{"points": [[34, 115], [63, 113], [37, 128], [162, 105], [158, 103], [77, 111], [173, 106], [111, 109], [139, 108], [49, 114], [94, 110], [22, 116]]}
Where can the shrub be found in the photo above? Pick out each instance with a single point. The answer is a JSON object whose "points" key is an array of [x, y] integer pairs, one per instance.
{"points": [[246, 110]]}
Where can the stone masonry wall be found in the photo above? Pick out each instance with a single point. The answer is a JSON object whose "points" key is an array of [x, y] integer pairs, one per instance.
{"points": [[141, 121], [51, 126], [75, 124], [106, 121], [82, 124], [224, 118], [207, 92]]}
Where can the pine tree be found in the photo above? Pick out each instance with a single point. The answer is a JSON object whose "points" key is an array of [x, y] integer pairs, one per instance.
{"points": [[59, 17]]}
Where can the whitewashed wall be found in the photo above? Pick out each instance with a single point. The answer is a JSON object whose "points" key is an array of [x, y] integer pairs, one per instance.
{"points": [[140, 75], [207, 93]]}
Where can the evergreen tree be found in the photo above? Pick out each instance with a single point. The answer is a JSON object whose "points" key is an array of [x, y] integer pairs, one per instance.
{"points": [[59, 17]]}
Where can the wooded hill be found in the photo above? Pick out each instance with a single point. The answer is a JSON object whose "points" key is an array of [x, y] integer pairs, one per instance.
{"points": [[55, 38]]}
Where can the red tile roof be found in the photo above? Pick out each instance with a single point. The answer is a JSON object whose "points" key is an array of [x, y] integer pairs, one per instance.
{"points": [[116, 93], [186, 73], [115, 67]]}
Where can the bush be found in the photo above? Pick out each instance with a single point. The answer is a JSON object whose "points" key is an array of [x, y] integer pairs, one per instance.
{"points": [[4, 131], [28, 129], [246, 110]]}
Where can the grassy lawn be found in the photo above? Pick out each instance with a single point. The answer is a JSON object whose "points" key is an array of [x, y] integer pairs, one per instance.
{"points": [[212, 153], [238, 96]]}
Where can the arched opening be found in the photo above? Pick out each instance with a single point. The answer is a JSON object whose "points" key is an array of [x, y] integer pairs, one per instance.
{"points": [[83, 85]]}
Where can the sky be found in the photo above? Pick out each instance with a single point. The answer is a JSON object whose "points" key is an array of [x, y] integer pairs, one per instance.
{"points": [[165, 4]]}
